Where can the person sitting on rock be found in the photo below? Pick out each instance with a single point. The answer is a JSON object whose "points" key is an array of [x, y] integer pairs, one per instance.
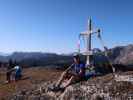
{"points": [[75, 73]]}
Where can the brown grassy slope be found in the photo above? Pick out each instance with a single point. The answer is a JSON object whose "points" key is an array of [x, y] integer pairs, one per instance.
{"points": [[31, 76]]}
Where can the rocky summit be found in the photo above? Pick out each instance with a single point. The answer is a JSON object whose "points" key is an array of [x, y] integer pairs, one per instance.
{"points": [[108, 87]]}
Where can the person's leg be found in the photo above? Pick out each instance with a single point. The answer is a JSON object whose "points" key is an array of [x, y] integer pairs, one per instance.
{"points": [[61, 79], [17, 77], [72, 80], [68, 82], [8, 74]]}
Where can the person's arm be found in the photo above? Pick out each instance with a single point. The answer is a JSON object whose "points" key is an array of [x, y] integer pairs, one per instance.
{"points": [[82, 70], [11, 70]]}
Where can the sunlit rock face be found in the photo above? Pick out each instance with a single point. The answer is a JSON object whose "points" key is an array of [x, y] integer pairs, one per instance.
{"points": [[124, 55], [127, 57]]}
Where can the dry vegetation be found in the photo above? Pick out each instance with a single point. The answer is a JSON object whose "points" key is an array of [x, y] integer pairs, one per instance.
{"points": [[31, 76]]}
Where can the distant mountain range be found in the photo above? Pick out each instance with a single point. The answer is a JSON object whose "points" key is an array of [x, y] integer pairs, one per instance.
{"points": [[29, 59], [118, 55]]}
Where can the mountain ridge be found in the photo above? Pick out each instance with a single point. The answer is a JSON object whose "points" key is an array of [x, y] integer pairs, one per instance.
{"points": [[118, 55]]}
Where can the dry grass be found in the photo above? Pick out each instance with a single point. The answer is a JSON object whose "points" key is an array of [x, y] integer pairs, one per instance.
{"points": [[31, 76]]}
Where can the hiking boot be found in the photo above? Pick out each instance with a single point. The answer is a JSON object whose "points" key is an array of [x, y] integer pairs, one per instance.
{"points": [[56, 88]]}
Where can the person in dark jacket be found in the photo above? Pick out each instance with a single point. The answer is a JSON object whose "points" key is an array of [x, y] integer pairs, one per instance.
{"points": [[9, 71], [13, 68]]}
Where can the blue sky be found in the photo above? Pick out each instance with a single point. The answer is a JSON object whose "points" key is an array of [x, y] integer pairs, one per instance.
{"points": [[54, 25]]}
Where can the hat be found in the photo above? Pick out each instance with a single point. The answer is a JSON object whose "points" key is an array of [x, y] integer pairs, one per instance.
{"points": [[76, 56]]}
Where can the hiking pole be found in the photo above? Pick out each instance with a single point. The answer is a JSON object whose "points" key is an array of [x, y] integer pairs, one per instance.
{"points": [[66, 71], [69, 68]]}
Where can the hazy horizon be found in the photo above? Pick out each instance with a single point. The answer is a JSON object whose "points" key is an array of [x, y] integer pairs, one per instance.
{"points": [[8, 53], [54, 25]]}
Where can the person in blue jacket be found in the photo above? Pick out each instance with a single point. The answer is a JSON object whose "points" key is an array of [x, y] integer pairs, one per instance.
{"points": [[75, 73], [18, 72]]}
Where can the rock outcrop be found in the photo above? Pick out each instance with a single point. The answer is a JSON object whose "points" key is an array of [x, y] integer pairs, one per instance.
{"points": [[126, 55], [98, 88]]}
